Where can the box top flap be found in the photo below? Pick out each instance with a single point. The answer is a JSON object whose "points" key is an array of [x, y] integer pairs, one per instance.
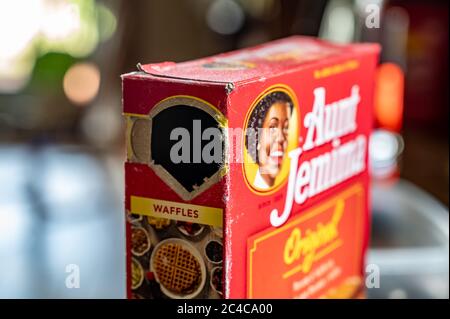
{"points": [[256, 62]]}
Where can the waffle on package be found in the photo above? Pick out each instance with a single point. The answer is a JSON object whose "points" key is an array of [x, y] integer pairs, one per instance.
{"points": [[247, 172]]}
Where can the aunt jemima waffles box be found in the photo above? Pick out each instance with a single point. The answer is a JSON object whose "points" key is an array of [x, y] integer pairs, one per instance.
{"points": [[246, 174]]}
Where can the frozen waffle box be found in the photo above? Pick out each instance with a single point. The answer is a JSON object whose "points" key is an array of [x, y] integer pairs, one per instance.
{"points": [[246, 172]]}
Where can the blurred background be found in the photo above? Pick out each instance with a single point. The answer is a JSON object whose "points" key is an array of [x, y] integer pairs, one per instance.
{"points": [[62, 134]]}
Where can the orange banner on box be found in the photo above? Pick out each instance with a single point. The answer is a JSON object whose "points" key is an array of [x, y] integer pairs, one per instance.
{"points": [[316, 250]]}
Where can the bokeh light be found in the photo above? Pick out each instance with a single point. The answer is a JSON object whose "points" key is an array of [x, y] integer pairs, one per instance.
{"points": [[63, 19], [225, 16], [389, 96], [81, 83], [339, 22]]}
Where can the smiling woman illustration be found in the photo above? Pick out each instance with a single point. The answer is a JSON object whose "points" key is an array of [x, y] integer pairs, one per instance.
{"points": [[267, 136]]}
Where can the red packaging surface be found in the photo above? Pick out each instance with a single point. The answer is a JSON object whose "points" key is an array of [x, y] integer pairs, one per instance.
{"points": [[246, 174]]}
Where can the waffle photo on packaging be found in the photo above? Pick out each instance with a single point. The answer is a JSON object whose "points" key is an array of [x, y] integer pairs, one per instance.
{"points": [[247, 172]]}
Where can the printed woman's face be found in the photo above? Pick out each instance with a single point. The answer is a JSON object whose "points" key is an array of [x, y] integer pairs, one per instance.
{"points": [[273, 140]]}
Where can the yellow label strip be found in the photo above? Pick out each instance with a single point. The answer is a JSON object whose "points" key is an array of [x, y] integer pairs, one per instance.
{"points": [[177, 211]]}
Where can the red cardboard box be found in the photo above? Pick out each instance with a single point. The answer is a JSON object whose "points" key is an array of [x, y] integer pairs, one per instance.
{"points": [[246, 174]]}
